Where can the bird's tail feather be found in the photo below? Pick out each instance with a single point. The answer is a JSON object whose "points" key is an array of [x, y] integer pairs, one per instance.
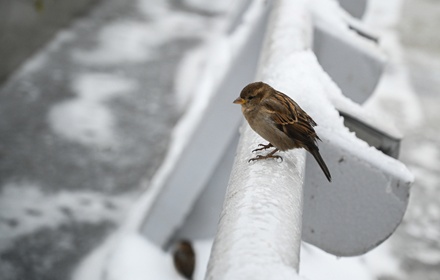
{"points": [[315, 153]]}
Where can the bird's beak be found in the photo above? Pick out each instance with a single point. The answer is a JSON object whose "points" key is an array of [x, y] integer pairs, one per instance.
{"points": [[239, 100]]}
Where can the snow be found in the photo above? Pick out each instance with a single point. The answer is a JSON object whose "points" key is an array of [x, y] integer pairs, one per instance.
{"points": [[304, 88], [426, 155], [189, 71], [136, 258], [206, 76], [33, 209], [429, 78], [294, 70], [267, 217], [118, 45], [137, 41], [319, 265], [335, 20], [174, 25], [209, 6], [87, 118], [130, 256], [197, 132], [179, 139], [383, 17], [203, 250]]}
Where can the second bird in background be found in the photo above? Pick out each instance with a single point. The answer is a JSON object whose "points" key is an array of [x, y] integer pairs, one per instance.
{"points": [[184, 258]]}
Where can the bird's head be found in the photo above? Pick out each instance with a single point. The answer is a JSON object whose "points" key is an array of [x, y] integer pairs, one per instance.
{"points": [[253, 93]]}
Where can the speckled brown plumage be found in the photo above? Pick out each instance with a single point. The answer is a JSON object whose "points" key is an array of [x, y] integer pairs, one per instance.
{"points": [[279, 120]]}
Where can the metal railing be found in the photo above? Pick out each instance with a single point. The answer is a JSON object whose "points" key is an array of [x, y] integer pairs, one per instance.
{"points": [[258, 213], [269, 207]]}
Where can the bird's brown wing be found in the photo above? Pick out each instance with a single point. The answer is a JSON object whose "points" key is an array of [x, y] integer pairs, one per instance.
{"points": [[290, 118], [295, 123]]}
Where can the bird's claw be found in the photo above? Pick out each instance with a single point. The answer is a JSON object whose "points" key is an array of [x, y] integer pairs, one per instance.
{"points": [[260, 157], [264, 147], [255, 158]]}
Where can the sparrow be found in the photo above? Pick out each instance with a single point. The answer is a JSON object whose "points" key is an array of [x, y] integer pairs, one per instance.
{"points": [[184, 258], [279, 120]]}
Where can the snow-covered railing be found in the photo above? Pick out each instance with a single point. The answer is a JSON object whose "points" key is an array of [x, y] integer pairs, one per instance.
{"points": [[346, 50], [187, 192], [345, 217], [270, 206], [258, 234]]}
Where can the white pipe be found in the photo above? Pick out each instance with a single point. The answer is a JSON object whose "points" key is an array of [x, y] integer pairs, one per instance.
{"points": [[259, 231]]}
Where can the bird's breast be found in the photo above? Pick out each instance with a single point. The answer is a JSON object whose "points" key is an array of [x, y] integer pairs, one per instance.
{"points": [[266, 128]]}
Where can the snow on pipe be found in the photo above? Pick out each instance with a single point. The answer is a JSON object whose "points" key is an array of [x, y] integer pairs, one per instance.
{"points": [[369, 192], [202, 138], [259, 231], [339, 37]]}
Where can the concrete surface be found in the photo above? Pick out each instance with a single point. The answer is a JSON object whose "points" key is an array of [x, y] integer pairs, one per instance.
{"points": [[66, 181], [25, 26]]}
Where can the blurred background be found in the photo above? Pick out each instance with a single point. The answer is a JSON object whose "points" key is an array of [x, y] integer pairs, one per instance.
{"points": [[90, 91]]}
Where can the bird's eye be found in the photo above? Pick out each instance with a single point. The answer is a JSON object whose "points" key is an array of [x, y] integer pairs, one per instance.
{"points": [[250, 97]]}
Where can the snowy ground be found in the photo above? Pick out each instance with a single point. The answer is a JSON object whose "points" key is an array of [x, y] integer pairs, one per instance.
{"points": [[82, 123], [417, 241], [88, 118]]}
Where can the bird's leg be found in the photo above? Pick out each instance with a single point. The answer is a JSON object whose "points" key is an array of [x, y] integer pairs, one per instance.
{"points": [[263, 147], [269, 155]]}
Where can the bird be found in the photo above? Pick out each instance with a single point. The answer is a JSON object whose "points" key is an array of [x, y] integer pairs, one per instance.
{"points": [[184, 258], [280, 121]]}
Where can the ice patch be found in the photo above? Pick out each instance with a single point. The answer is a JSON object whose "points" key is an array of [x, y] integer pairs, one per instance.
{"points": [[86, 118]]}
